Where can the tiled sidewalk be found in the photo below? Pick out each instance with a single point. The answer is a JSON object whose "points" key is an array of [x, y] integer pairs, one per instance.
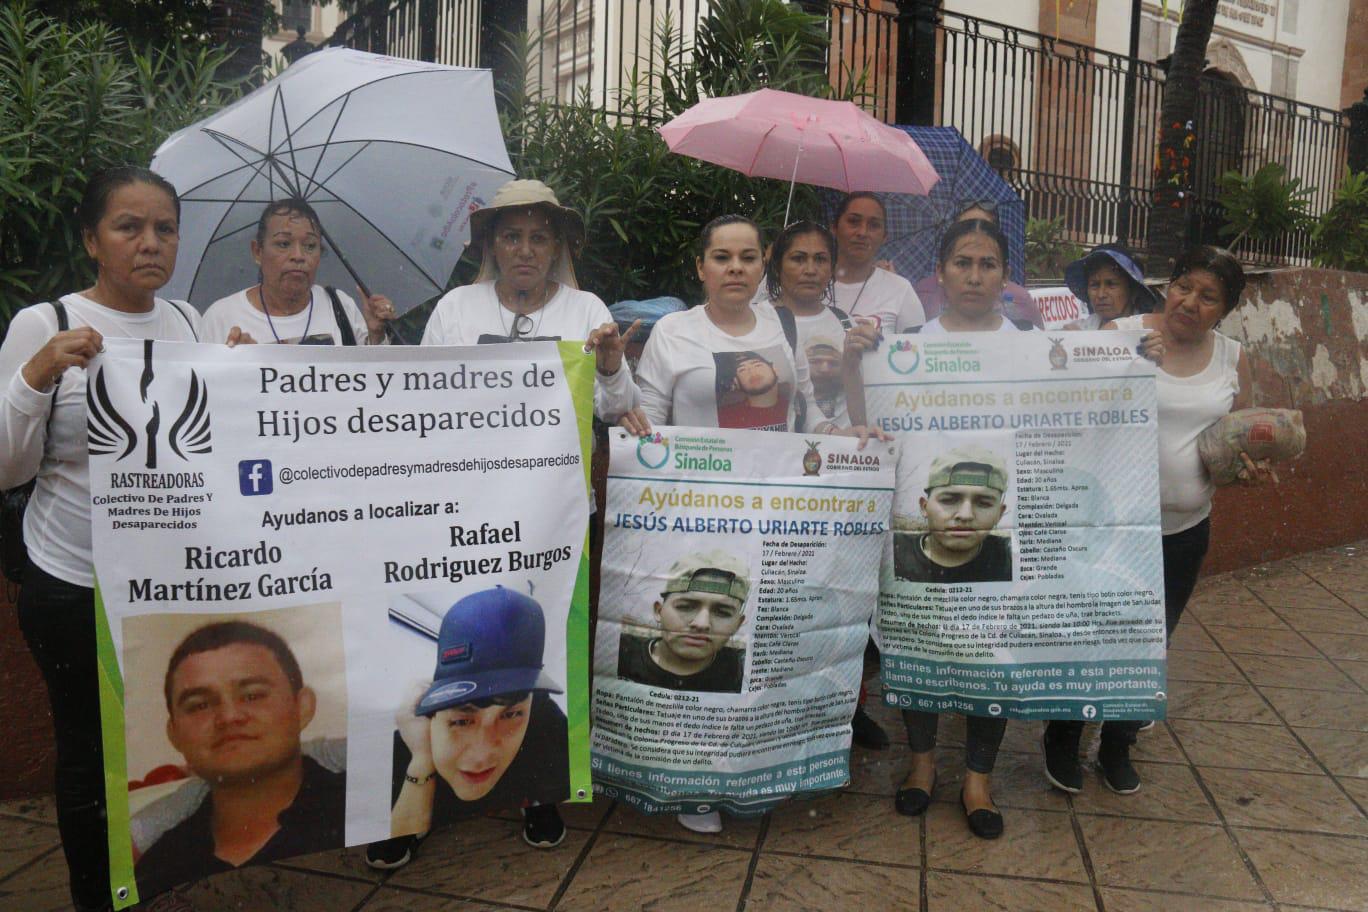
{"points": [[1254, 797]]}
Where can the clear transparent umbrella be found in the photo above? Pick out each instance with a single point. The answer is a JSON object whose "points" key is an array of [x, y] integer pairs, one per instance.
{"points": [[394, 155]]}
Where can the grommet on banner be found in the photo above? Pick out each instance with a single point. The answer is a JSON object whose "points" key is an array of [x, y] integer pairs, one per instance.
{"points": [[121, 893], [580, 793]]}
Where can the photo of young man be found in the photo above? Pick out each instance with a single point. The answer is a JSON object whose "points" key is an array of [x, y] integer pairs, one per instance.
{"points": [[750, 393], [824, 367], [701, 608], [963, 501], [237, 705], [484, 733]]}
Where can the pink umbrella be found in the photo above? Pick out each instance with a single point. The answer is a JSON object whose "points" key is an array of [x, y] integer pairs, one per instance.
{"points": [[797, 138]]}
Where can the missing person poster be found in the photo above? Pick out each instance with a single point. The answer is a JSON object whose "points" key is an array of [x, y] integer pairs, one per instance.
{"points": [[739, 580], [1024, 575], [343, 594]]}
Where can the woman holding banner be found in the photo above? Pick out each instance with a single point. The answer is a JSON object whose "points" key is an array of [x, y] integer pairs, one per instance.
{"points": [[286, 305], [1202, 377], [130, 225], [1111, 284], [526, 290], [731, 362], [971, 270]]}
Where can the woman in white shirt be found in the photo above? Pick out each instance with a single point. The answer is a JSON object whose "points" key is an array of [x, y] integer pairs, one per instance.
{"points": [[862, 289], [1111, 284], [1203, 376], [731, 362], [526, 290], [286, 305], [129, 220]]}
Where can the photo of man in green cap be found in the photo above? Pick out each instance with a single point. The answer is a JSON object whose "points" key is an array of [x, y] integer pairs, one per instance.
{"points": [[962, 503], [701, 608]]}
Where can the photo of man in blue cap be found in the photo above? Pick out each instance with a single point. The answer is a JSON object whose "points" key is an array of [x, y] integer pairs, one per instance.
{"points": [[962, 503], [485, 732], [701, 607]]}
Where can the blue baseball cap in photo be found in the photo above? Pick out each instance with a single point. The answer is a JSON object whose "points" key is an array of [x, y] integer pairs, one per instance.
{"points": [[1076, 273], [490, 644]]}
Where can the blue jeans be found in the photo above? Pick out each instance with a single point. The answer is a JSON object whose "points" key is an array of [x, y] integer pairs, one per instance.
{"points": [[58, 622]]}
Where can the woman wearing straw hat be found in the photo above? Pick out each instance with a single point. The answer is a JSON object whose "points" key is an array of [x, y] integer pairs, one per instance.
{"points": [[1111, 284], [526, 290]]}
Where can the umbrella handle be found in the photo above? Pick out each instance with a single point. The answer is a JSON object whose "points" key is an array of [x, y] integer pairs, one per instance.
{"points": [[793, 178]]}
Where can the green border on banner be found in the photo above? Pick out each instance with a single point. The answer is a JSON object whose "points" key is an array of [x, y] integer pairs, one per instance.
{"points": [[580, 368], [115, 761]]}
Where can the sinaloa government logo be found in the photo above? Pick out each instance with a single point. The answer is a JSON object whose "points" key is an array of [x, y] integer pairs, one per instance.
{"points": [[812, 459], [653, 451], [1059, 358], [904, 356], [112, 430]]}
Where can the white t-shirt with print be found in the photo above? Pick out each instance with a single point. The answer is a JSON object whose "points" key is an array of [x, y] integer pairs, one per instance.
{"points": [[317, 321], [692, 373], [935, 328], [473, 315], [824, 329], [887, 296], [57, 521]]}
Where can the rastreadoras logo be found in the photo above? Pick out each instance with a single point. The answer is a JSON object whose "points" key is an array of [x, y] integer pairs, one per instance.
{"points": [[653, 451], [110, 429], [903, 356]]}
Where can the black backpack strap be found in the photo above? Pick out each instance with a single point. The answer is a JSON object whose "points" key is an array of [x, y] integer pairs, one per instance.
{"points": [[840, 315], [340, 314], [63, 321], [790, 326], [186, 317]]}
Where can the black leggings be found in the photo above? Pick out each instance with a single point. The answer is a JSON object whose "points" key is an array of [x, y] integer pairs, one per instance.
{"points": [[58, 622], [982, 736], [1183, 555]]}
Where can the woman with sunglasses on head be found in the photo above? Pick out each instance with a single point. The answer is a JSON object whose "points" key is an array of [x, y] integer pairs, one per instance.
{"points": [[129, 220], [862, 289], [285, 306], [1203, 375], [1110, 282], [798, 277], [526, 290], [1015, 300]]}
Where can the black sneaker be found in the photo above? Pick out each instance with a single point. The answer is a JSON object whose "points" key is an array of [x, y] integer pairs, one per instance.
{"points": [[1061, 763], [865, 732], [388, 854], [1117, 770], [542, 826]]}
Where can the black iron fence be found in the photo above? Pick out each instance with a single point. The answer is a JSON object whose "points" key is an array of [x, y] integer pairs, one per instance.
{"points": [[1071, 127]]}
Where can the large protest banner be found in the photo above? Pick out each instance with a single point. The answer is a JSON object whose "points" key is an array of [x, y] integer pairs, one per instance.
{"points": [[739, 581], [1024, 575], [344, 587]]}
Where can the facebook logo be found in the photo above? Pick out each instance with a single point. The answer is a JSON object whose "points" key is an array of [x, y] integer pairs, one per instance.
{"points": [[254, 477]]}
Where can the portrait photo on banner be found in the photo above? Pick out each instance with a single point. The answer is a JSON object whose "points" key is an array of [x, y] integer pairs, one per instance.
{"points": [[952, 516], [751, 391], [480, 724], [684, 622], [220, 709]]}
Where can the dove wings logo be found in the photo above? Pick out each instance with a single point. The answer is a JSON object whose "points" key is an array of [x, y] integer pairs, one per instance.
{"points": [[111, 432]]}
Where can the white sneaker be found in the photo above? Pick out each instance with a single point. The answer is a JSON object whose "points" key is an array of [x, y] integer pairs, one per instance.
{"points": [[710, 822]]}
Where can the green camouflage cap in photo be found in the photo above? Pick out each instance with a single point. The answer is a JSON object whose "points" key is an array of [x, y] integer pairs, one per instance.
{"points": [[713, 572], [968, 465]]}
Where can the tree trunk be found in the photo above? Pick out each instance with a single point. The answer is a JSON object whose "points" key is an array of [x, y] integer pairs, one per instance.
{"points": [[1177, 153], [237, 25]]}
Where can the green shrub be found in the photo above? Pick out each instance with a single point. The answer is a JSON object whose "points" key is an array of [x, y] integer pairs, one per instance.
{"points": [[1263, 206], [1340, 237], [644, 205], [73, 101], [1048, 251]]}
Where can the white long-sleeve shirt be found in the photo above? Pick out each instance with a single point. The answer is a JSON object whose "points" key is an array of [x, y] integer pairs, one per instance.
{"points": [[473, 315], [689, 374], [57, 521]]}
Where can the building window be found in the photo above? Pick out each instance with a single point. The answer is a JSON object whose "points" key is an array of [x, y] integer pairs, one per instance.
{"points": [[1000, 153], [296, 14], [1289, 16], [1284, 81], [1149, 39]]}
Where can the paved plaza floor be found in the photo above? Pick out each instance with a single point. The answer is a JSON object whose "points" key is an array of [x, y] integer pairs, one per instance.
{"points": [[1254, 798]]}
